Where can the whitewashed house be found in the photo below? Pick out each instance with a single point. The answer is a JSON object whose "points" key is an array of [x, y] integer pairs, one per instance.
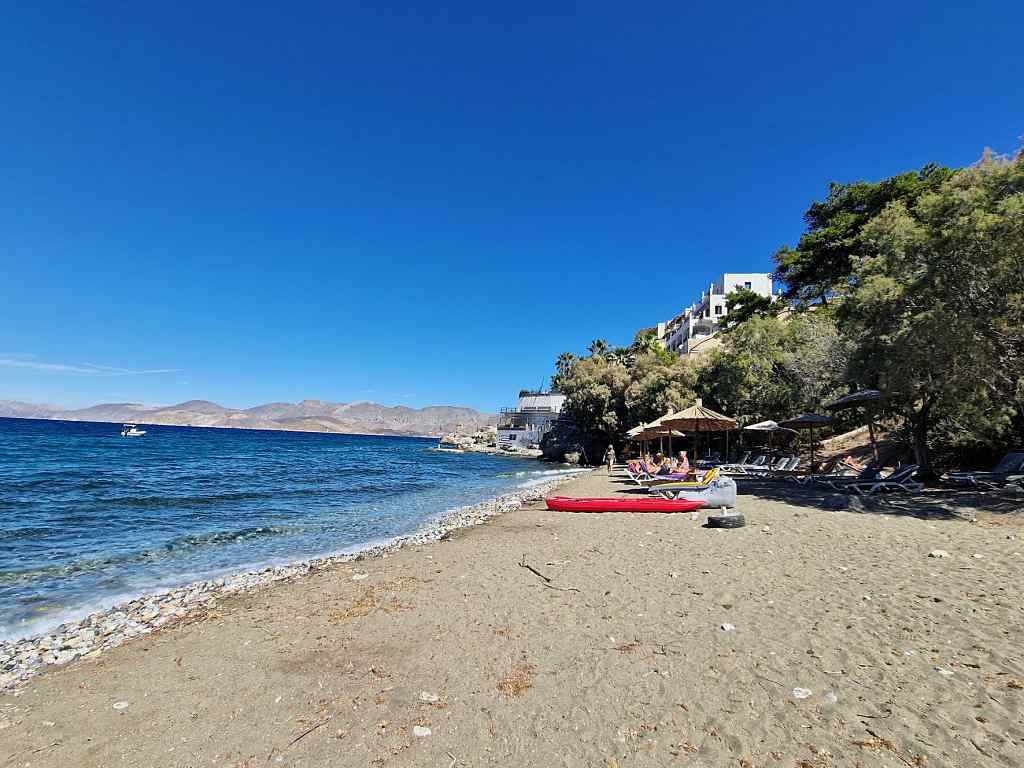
{"points": [[525, 425], [703, 319]]}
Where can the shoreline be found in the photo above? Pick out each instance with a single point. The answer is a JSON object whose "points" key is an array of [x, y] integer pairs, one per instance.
{"points": [[815, 636], [24, 658]]}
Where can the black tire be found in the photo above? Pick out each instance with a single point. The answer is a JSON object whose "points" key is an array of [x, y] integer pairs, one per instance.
{"points": [[726, 521]]}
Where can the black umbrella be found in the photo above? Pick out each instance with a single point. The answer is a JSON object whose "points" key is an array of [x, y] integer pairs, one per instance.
{"points": [[806, 421], [854, 398]]}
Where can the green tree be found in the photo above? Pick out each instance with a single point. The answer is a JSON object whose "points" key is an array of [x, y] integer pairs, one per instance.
{"points": [[646, 343], [595, 391], [772, 367], [748, 376], [657, 386], [823, 261], [621, 355], [743, 304], [563, 367], [936, 299], [817, 358], [598, 348]]}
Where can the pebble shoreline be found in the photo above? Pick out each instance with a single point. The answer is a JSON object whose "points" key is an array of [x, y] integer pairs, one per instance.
{"points": [[23, 659]]}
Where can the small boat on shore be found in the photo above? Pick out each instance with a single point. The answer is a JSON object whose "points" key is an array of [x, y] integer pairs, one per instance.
{"points": [[131, 430], [569, 504]]}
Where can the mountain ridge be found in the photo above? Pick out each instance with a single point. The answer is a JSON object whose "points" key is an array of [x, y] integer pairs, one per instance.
{"points": [[356, 418]]}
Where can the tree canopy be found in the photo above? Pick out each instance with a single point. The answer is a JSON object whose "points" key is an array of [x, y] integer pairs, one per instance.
{"points": [[913, 285], [743, 304], [772, 367], [822, 263], [934, 309]]}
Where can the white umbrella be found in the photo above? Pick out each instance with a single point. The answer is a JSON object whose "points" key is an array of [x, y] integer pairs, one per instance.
{"points": [[770, 427]]}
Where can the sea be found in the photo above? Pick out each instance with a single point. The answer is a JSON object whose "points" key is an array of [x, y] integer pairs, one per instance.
{"points": [[89, 518]]}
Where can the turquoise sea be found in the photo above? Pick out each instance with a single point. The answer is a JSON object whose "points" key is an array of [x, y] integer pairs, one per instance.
{"points": [[88, 517]]}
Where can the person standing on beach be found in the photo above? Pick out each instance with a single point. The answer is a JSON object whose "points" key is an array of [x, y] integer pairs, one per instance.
{"points": [[609, 457]]}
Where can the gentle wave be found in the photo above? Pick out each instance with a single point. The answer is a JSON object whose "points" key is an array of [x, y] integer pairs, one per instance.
{"points": [[183, 544], [86, 516]]}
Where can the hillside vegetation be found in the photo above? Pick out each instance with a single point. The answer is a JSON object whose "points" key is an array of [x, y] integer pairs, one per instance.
{"points": [[912, 285]]}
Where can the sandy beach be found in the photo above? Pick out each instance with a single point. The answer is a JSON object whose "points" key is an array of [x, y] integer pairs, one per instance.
{"points": [[821, 634]]}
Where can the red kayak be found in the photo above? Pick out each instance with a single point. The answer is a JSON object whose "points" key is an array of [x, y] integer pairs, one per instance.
{"points": [[645, 504]]}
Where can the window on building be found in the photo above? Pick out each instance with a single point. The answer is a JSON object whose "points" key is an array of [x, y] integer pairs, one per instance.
{"points": [[747, 285], [718, 309]]}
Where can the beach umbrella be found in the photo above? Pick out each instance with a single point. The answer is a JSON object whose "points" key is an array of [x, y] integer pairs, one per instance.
{"points": [[699, 419], [670, 433], [633, 435], [771, 428], [657, 427], [863, 397], [806, 421], [643, 434], [854, 398]]}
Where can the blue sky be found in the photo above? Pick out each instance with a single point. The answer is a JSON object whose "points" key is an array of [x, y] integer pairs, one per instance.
{"points": [[425, 204]]}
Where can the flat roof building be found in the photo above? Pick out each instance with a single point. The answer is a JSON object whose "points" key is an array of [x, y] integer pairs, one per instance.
{"points": [[525, 425], [685, 332]]}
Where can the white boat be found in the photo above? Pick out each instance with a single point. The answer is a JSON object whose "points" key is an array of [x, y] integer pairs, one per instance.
{"points": [[130, 430]]}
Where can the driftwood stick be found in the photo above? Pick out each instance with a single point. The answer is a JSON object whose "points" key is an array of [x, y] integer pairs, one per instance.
{"points": [[309, 731], [560, 589], [877, 717], [527, 566]]}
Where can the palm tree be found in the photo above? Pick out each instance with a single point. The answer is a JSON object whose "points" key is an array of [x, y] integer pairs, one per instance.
{"points": [[621, 355], [564, 364], [598, 348]]}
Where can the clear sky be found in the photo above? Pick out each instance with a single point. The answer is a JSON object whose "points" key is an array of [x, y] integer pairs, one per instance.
{"points": [[425, 203]]}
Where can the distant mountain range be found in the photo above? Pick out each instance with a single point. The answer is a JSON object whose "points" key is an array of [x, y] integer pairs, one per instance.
{"points": [[360, 418]]}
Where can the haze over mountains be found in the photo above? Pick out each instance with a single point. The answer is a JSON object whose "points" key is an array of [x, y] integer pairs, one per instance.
{"points": [[359, 418]]}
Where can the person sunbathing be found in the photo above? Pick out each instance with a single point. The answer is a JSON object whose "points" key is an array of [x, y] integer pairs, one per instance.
{"points": [[683, 465], [664, 466], [852, 463]]}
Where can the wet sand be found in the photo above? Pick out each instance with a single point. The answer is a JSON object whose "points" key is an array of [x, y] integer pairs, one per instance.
{"points": [[851, 647]]}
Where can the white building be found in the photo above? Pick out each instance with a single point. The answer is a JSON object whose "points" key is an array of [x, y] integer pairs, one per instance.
{"points": [[524, 426], [703, 319]]}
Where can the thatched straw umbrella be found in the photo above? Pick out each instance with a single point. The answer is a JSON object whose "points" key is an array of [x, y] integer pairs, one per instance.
{"points": [[698, 419], [632, 435], [660, 429]]}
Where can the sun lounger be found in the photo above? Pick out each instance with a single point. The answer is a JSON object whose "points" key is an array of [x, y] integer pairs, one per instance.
{"points": [[636, 471], [816, 469], [640, 470], [759, 462], [779, 469], [671, 488], [838, 481], [1007, 472], [899, 480], [672, 477], [759, 470], [714, 489]]}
